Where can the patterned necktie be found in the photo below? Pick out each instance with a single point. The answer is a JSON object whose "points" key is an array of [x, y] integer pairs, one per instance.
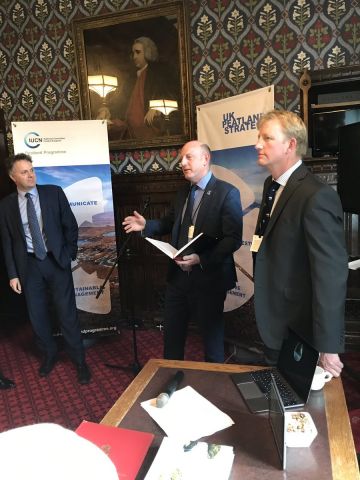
{"points": [[36, 235], [187, 219], [268, 204]]}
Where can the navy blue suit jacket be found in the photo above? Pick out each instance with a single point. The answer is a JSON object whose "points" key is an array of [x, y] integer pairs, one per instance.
{"points": [[59, 225], [219, 216]]}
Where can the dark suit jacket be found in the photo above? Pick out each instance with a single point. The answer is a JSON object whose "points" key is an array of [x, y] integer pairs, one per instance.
{"points": [[301, 267], [59, 226], [219, 216]]}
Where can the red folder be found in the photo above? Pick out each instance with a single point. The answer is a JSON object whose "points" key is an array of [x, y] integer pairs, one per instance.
{"points": [[126, 448]]}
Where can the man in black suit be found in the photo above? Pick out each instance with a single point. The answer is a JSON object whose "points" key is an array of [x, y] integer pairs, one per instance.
{"points": [[39, 264], [301, 261], [197, 283]]}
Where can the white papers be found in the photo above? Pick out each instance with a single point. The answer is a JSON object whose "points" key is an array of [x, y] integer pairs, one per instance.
{"points": [[354, 265], [203, 461], [188, 416], [168, 249]]}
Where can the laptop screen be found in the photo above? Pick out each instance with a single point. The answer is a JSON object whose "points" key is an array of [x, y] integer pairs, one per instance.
{"points": [[277, 421], [297, 363]]}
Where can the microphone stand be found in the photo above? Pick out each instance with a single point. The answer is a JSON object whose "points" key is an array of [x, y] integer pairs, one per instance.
{"points": [[135, 367]]}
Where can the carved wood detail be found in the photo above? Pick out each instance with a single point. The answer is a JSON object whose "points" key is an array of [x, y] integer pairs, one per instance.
{"points": [[142, 268]]}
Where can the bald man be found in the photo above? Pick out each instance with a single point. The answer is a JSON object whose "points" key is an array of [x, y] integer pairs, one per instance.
{"points": [[197, 283]]}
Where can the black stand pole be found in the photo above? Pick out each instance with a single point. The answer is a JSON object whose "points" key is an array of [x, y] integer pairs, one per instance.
{"points": [[135, 367]]}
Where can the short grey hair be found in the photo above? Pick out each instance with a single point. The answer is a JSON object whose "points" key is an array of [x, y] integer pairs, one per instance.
{"points": [[206, 149]]}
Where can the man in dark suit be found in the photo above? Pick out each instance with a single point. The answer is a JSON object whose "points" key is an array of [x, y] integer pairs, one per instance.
{"points": [[197, 283], [39, 235], [301, 261]]}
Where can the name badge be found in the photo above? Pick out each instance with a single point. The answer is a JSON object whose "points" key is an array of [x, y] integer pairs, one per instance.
{"points": [[191, 232], [255, 244]]}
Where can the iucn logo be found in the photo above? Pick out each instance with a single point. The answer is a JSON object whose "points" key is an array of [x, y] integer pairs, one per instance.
{"points": [[32, 140]]}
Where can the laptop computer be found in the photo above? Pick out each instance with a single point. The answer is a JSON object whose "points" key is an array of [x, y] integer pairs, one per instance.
{"points": [[293, 375], [277, 421]]}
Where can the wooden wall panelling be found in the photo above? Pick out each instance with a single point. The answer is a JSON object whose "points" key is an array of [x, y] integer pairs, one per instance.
{"points": [[142, 270], [326, 169], [6, 185]]}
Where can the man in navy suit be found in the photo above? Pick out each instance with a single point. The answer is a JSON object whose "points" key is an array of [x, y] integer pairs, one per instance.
{"points": [[47, 277], [197, 283]]}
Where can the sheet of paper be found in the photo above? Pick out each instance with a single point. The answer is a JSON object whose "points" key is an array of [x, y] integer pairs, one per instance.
{"points": [[354, 265], [188, 416], [168, 249], [203, 461]]}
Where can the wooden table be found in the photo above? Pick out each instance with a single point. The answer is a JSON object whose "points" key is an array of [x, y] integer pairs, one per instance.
{"points": [[344, 463]]}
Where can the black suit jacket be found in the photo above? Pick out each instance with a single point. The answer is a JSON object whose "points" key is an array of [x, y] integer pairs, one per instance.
{"points": [[59, 226], [301, 267], [219, 216]]}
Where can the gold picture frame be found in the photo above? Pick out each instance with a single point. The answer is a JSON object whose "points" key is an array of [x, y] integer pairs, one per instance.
{"points": [[106, 46]]}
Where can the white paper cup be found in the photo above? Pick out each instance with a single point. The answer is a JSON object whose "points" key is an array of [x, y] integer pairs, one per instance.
{"points": [[321, 376]]}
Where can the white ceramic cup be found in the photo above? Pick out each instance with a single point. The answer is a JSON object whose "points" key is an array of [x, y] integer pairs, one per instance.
{"points": [[321, 376]]}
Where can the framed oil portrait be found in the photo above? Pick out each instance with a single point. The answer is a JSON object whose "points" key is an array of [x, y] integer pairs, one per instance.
{"points": [[133, 70]]}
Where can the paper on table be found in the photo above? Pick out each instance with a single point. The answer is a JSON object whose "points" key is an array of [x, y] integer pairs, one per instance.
{"points": [[188, 416], [172, 461]]}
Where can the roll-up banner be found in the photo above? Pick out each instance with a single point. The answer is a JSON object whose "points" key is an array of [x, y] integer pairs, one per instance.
{"points": [[229, 127], [75, 156]]}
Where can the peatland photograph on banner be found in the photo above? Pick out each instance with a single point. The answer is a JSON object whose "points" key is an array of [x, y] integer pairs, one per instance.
{"points": [[229, 127], [75, 156]]}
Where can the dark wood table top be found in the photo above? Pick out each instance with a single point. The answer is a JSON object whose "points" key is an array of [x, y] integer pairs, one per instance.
{"points": [[331, 454]]}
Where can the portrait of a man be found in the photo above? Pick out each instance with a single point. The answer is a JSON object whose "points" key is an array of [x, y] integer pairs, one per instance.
{"points": [[149, 79], [146, 58]]}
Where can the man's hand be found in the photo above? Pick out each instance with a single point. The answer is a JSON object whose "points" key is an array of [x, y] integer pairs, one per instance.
{"points": [[150, 116], [188, 261], [331, 363], [15, 285], [134, 223]]}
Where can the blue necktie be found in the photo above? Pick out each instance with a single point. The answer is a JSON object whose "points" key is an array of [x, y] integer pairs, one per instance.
{"points": [[187, 220], [268, 204], [36, 235]]}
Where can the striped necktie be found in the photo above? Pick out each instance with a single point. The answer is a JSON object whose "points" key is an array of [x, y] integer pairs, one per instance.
{"points": [[268, 204], [36, 235]]}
